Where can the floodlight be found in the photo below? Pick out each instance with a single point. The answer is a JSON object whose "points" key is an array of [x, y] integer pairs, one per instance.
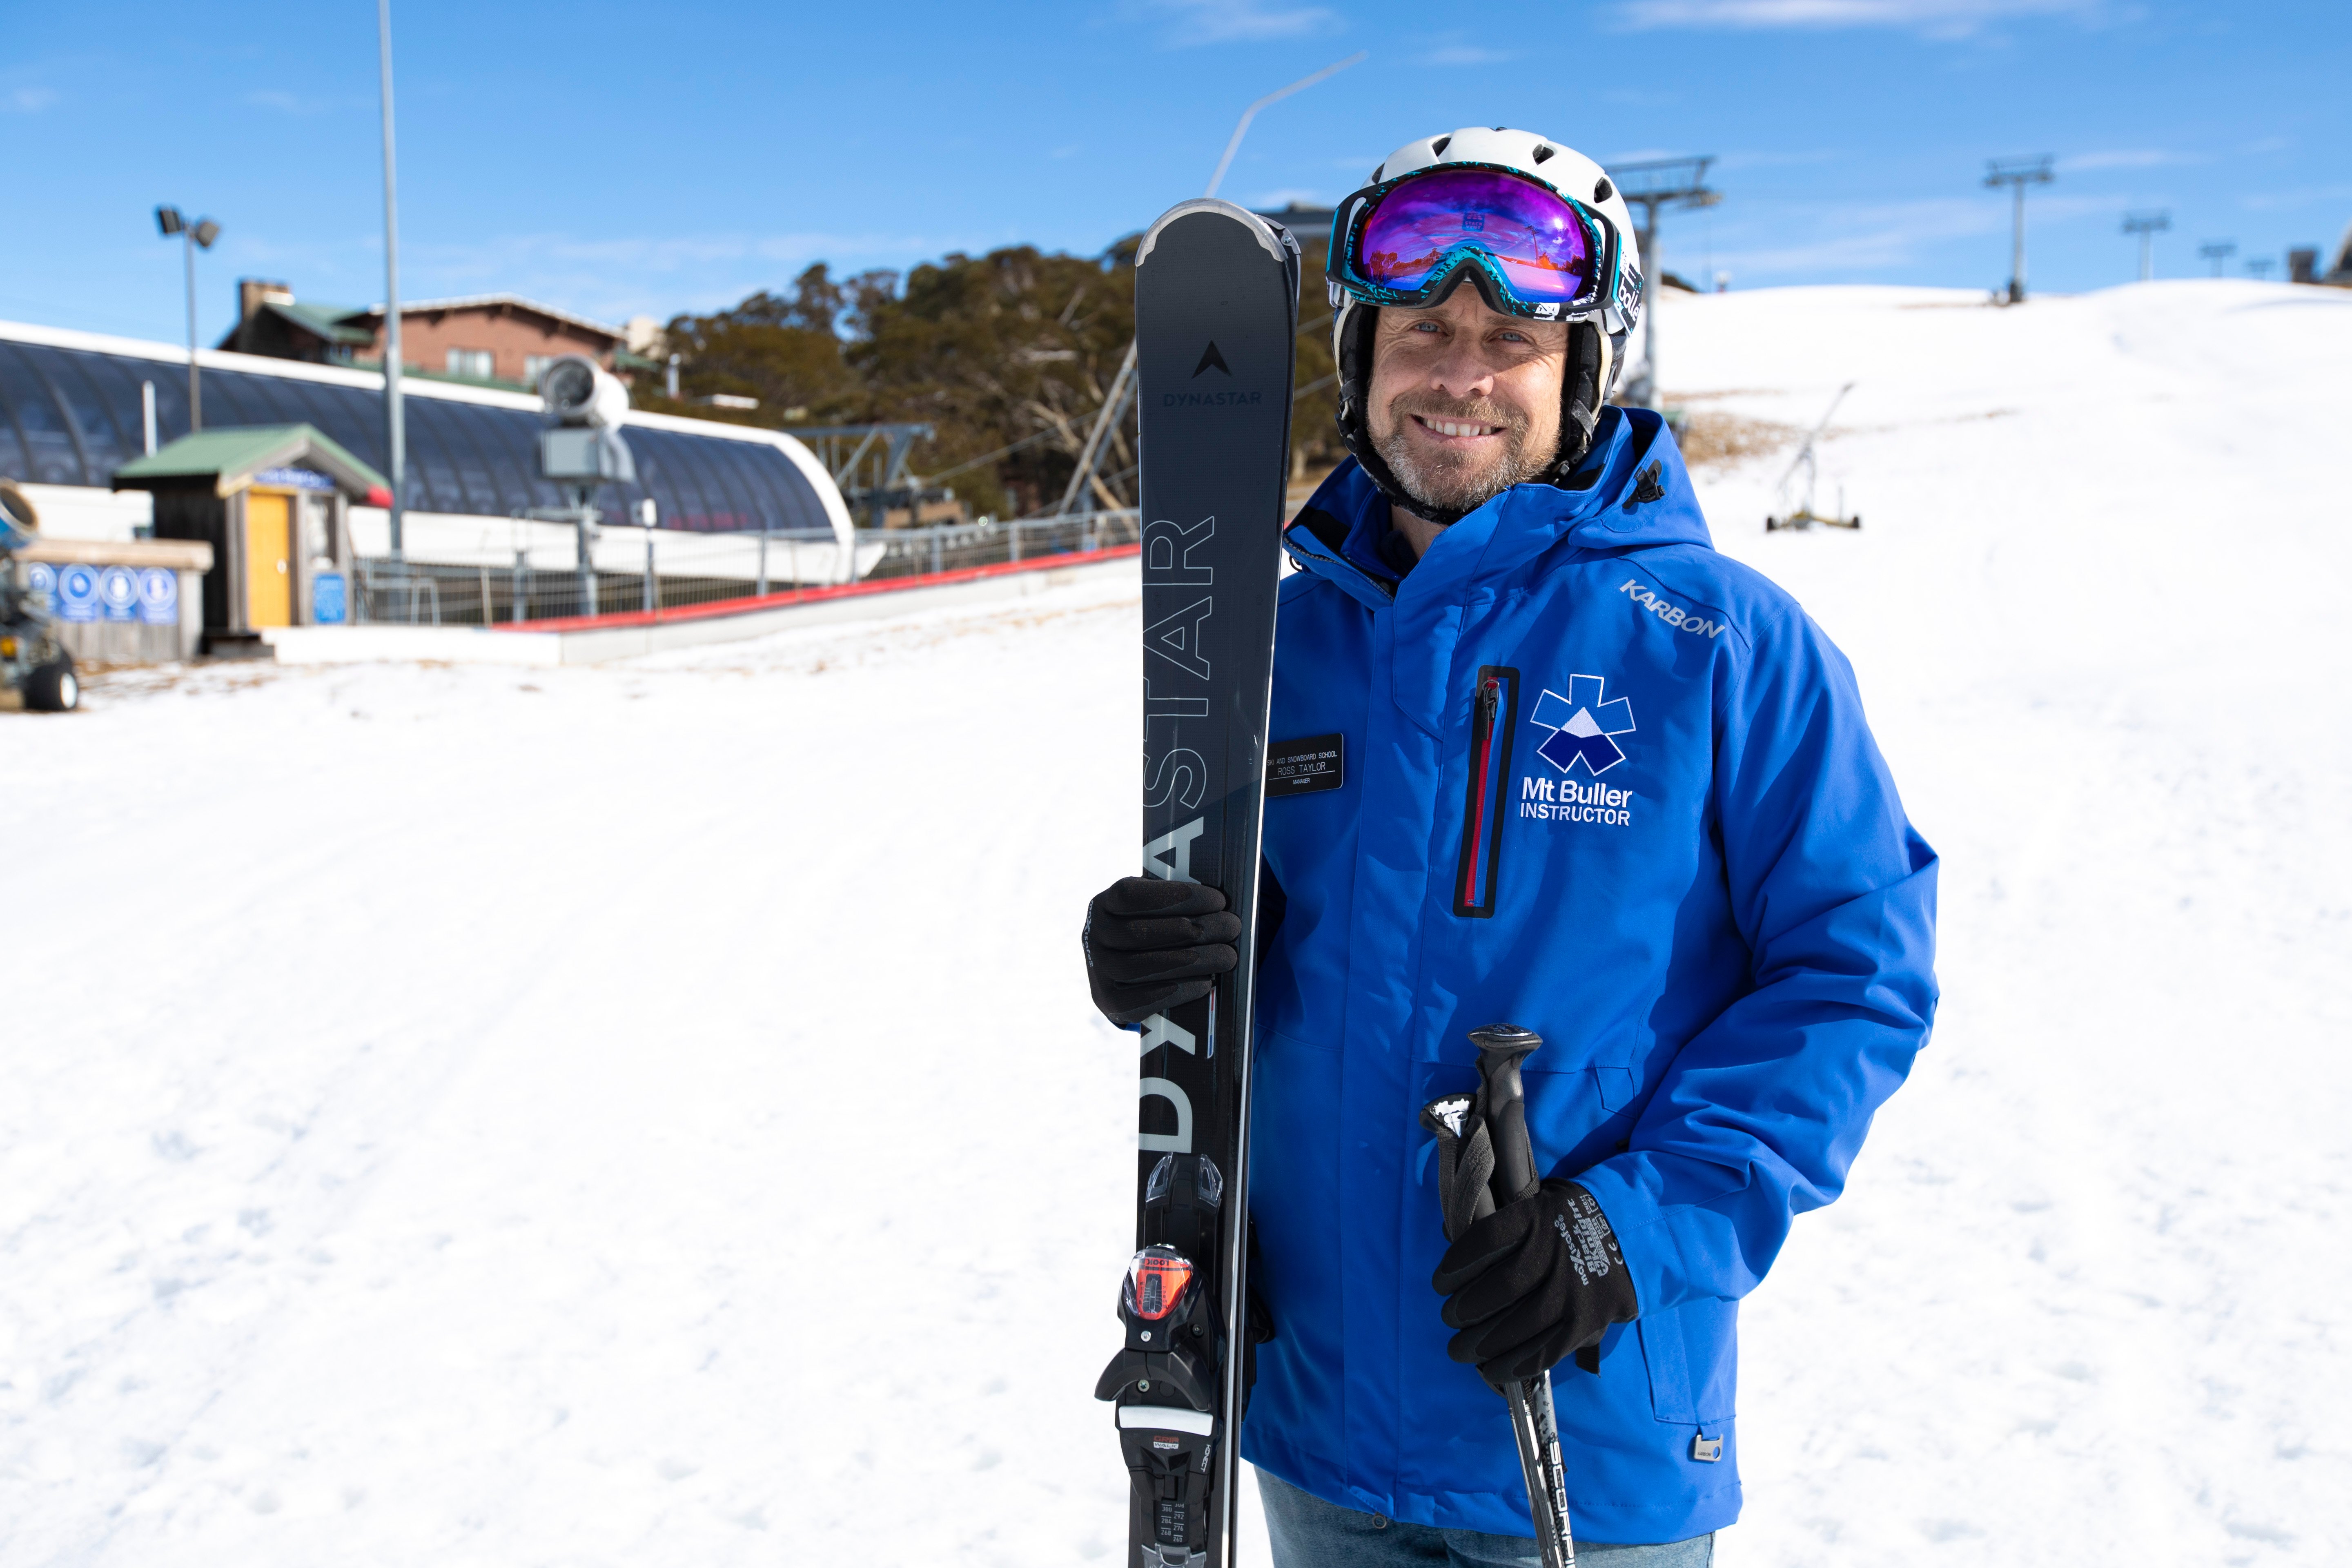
{"points": [[192, 237]]}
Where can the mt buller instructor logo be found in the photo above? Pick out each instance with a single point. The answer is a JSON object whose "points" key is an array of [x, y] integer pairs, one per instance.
{"points": [[1583, 728]]}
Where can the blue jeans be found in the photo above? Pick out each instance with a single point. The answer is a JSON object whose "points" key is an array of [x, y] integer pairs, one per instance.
{"points": [[1307, 1533]]}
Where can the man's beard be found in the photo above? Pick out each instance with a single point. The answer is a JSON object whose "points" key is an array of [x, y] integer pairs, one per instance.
{"points": [[1457, 482]]}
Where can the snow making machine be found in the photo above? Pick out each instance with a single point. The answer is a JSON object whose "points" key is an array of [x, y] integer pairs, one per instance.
{"points": [[1801, 514], [35, 670]]}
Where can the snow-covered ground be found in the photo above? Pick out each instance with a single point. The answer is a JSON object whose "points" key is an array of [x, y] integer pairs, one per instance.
{"points": [[651, 1115]]}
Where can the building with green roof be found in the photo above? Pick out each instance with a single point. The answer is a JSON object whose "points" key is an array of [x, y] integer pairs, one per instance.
{"points": [[272, 500]]}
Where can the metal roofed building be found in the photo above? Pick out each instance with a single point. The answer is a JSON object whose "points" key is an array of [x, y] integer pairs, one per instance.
{"points": [[478, 337], [73, 409]]}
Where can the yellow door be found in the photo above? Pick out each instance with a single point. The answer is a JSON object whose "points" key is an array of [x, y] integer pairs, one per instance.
{"points": [[269, 560]]}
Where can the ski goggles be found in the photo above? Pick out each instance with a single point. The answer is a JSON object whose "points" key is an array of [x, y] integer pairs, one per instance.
{"points": [[1535, 252]]}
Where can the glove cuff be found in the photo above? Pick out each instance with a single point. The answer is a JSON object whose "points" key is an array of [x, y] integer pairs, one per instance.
{"points": [[1592, 1251]]}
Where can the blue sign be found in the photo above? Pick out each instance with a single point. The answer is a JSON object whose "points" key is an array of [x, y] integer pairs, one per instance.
{"points": [[42, 579], [328, 606], [76, 593], [117, 593], [293, 479], [159, 597]]}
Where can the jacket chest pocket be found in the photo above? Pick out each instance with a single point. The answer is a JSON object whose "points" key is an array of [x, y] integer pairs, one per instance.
{"points": [[1494, 712]]}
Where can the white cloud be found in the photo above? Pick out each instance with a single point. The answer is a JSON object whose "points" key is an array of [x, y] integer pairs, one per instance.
{"points": [[2128, 158], [2308, 195], [284, 102], [1845, 238], [30, 99], [1238, 21], [1467, 54], [1947, 18], [1735, 161]]}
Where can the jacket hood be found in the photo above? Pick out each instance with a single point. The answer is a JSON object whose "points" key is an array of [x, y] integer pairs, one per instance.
{"points": [[1630, 491]]}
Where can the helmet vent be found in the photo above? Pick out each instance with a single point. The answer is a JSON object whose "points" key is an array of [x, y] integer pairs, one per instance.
{"points": [[1437, 148], [1603, 189], [1544, 152]]}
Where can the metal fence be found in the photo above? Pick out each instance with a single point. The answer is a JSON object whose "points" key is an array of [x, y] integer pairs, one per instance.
{"points": [[690, 570], [919, 552], [415, 592]]}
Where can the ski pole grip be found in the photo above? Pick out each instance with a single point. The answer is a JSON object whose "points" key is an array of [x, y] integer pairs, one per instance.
{"points": [[1501, 1048], [1465, 1162]]}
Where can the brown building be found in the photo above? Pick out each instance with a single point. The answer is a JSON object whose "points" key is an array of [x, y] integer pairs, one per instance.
{"points": [[500, 338]]}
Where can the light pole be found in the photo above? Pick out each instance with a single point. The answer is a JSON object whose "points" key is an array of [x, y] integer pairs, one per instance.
{"points": [[396, 420], [1678, 182], [1115, 403], [201, 233], [1241, 126], [2218, 251], [2147, 225]]}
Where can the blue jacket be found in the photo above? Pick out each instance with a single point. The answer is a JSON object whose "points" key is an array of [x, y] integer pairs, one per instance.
{"points": [[1599, 781]]}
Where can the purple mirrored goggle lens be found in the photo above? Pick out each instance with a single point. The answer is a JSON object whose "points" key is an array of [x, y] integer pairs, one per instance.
{"points": [[1543, 247]]}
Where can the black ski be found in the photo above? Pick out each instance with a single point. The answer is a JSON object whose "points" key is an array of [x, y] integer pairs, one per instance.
{"points": [[1216, 311]]}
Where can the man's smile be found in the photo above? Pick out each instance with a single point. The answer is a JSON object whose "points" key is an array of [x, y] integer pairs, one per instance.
{"points": [[1457, 430]]}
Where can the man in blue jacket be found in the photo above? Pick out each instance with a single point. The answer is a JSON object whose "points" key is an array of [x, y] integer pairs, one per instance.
{"points": [[1599, 782]]}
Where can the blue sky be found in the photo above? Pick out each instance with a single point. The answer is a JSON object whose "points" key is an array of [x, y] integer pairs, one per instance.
{"points": [[618, 160]]}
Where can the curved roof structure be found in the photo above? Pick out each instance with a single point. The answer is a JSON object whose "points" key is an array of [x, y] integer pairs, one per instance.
{"points": [[71, 414]]}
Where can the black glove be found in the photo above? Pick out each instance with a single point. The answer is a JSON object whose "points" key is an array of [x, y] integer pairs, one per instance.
{"points": [[1152, 944], [1533, 1282]]}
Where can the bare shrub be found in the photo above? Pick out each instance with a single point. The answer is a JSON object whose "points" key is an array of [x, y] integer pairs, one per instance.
{"points": [[1727, 441]]}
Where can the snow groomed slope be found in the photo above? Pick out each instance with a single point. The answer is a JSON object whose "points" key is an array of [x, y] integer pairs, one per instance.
{"points": [[442, 1124]]}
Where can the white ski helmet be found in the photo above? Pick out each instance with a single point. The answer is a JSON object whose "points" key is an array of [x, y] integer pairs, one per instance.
{"points": [[1597, 290]]}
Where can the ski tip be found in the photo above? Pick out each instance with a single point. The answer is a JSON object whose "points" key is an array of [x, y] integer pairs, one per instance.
{"points": [[1274, 240]]}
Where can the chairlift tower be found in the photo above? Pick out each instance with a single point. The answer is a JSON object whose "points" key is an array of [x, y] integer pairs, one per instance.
{"points": [[2017, 174], [2147, 225], [2259, 267], [2217, 252], [1658, 184]]}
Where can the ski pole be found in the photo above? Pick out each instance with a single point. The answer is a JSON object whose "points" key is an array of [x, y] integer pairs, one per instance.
{"points": [[1534, 1421]]}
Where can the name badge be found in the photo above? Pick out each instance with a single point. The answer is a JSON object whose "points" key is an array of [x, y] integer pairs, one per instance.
{"points": [[1302, 767]]}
